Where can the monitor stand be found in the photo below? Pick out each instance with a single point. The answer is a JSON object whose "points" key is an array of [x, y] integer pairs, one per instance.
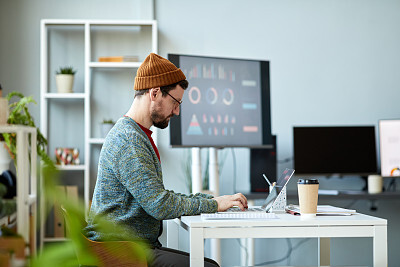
{"points": [[213, 185], [197, 182], [365, 188]]}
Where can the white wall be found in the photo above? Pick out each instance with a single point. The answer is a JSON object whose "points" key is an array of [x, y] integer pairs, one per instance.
{"points": [[332, 63]]}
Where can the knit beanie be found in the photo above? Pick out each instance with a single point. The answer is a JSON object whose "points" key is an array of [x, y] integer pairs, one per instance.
{"points": [[157, 71]]}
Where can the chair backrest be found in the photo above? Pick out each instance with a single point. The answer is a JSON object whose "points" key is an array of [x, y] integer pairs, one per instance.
{"points": [[108, 253]]}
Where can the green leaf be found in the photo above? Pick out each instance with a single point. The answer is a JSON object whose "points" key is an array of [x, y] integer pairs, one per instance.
{"points": [[66, 70]]}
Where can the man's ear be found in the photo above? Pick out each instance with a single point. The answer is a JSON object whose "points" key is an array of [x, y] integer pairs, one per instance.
{"points": [[154, 92]]}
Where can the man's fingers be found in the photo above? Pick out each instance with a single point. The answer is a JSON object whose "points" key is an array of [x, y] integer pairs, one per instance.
{"points": [[240, 197], [238, 204], [228, 201]]}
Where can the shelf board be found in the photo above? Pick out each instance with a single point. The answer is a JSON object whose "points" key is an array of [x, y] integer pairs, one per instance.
{"points": [[122, 22], [54, 239], [96, 141], [99, 22], [71, 167], [65, 95], [13, 128], [114, 64]]}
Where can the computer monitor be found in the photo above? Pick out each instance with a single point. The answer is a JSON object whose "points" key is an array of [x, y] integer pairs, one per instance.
{"points": [[227, 103], [335, 150], [263, 161]]}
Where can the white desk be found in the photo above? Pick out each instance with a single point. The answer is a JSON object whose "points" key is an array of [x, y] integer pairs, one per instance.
{"points": [[287, 226]]}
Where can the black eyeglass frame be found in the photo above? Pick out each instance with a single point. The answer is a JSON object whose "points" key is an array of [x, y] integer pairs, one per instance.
{"points": [[179, 102]]}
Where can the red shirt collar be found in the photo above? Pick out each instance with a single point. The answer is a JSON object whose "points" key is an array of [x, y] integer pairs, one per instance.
{"points": [[147, 131]]}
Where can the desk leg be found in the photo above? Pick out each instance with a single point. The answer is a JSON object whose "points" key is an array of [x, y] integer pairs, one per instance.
{"points": [[247, 246], [216, 250], [324, 256], [250, 245], [196, 247], [172, 234], [380, 246]]}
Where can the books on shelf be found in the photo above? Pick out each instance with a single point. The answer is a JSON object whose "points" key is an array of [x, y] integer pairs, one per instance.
{"points": [[59, 224], [238, 215], [71, 192], [119, 59], [322, 210]]}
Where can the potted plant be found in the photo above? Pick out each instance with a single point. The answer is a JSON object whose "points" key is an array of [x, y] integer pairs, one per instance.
{"points": [[19, 114], [106, 126], [65, 79]]}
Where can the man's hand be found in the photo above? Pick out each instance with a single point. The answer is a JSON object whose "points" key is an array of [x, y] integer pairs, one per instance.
{"points": [[228, 201]]}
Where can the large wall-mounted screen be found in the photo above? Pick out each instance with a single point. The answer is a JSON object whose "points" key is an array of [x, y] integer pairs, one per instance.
{"points": [[227, 103]]}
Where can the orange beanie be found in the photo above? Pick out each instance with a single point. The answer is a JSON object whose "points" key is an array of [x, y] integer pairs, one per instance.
{"points": [[157, 71]]}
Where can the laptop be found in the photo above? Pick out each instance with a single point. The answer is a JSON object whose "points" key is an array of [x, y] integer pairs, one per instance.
{"points": [[272, 196]]}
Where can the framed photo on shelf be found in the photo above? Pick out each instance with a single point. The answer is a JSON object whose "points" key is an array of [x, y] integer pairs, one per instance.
{"points": [[67, 156]]}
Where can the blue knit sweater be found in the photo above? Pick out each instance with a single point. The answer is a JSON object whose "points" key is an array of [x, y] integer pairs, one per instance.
{"points": [[130, 190]]}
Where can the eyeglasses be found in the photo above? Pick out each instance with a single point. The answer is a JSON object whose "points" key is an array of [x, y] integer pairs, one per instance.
{"points": [[177, 101]]}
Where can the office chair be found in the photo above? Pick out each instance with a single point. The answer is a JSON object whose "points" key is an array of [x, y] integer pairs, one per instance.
{"points": [[108, 253]]}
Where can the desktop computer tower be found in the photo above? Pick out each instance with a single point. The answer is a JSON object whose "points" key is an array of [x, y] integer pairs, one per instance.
{"points": [[262, 161]]}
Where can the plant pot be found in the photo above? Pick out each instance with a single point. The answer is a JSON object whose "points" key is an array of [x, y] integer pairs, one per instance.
{"points": [[64, 83], [105, 128], [4, 110]]}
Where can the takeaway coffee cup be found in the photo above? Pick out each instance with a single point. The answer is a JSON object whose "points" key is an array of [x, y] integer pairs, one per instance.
{"points": [[308, 196]]}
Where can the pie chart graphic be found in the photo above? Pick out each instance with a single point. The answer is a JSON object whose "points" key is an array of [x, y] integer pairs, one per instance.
{"points": [[228, 97], [194, 95], [211, 96]]}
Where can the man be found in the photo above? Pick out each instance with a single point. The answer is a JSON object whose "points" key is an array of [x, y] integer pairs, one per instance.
{"points": [[129, 188]]}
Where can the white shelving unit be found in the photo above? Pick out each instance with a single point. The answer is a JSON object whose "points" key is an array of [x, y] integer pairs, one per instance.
{"points": [[88, 35], [26, 182]]}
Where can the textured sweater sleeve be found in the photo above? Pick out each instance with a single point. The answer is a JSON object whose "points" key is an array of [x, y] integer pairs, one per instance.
{"points": [[137, 172], [198, 195]]}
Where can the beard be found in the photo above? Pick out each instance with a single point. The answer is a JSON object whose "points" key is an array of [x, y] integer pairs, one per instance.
{"points": [[159, 121]]}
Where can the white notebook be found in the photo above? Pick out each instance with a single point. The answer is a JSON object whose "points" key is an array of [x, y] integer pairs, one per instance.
{"points": [[322, 210], [239, 215]]}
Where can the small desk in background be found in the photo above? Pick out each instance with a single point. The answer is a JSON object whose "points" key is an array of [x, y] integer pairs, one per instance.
{"points": [[287, 226], [341, 195]]}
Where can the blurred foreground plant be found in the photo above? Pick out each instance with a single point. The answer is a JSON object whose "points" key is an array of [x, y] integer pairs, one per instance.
{"points": [[65, 253]]}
